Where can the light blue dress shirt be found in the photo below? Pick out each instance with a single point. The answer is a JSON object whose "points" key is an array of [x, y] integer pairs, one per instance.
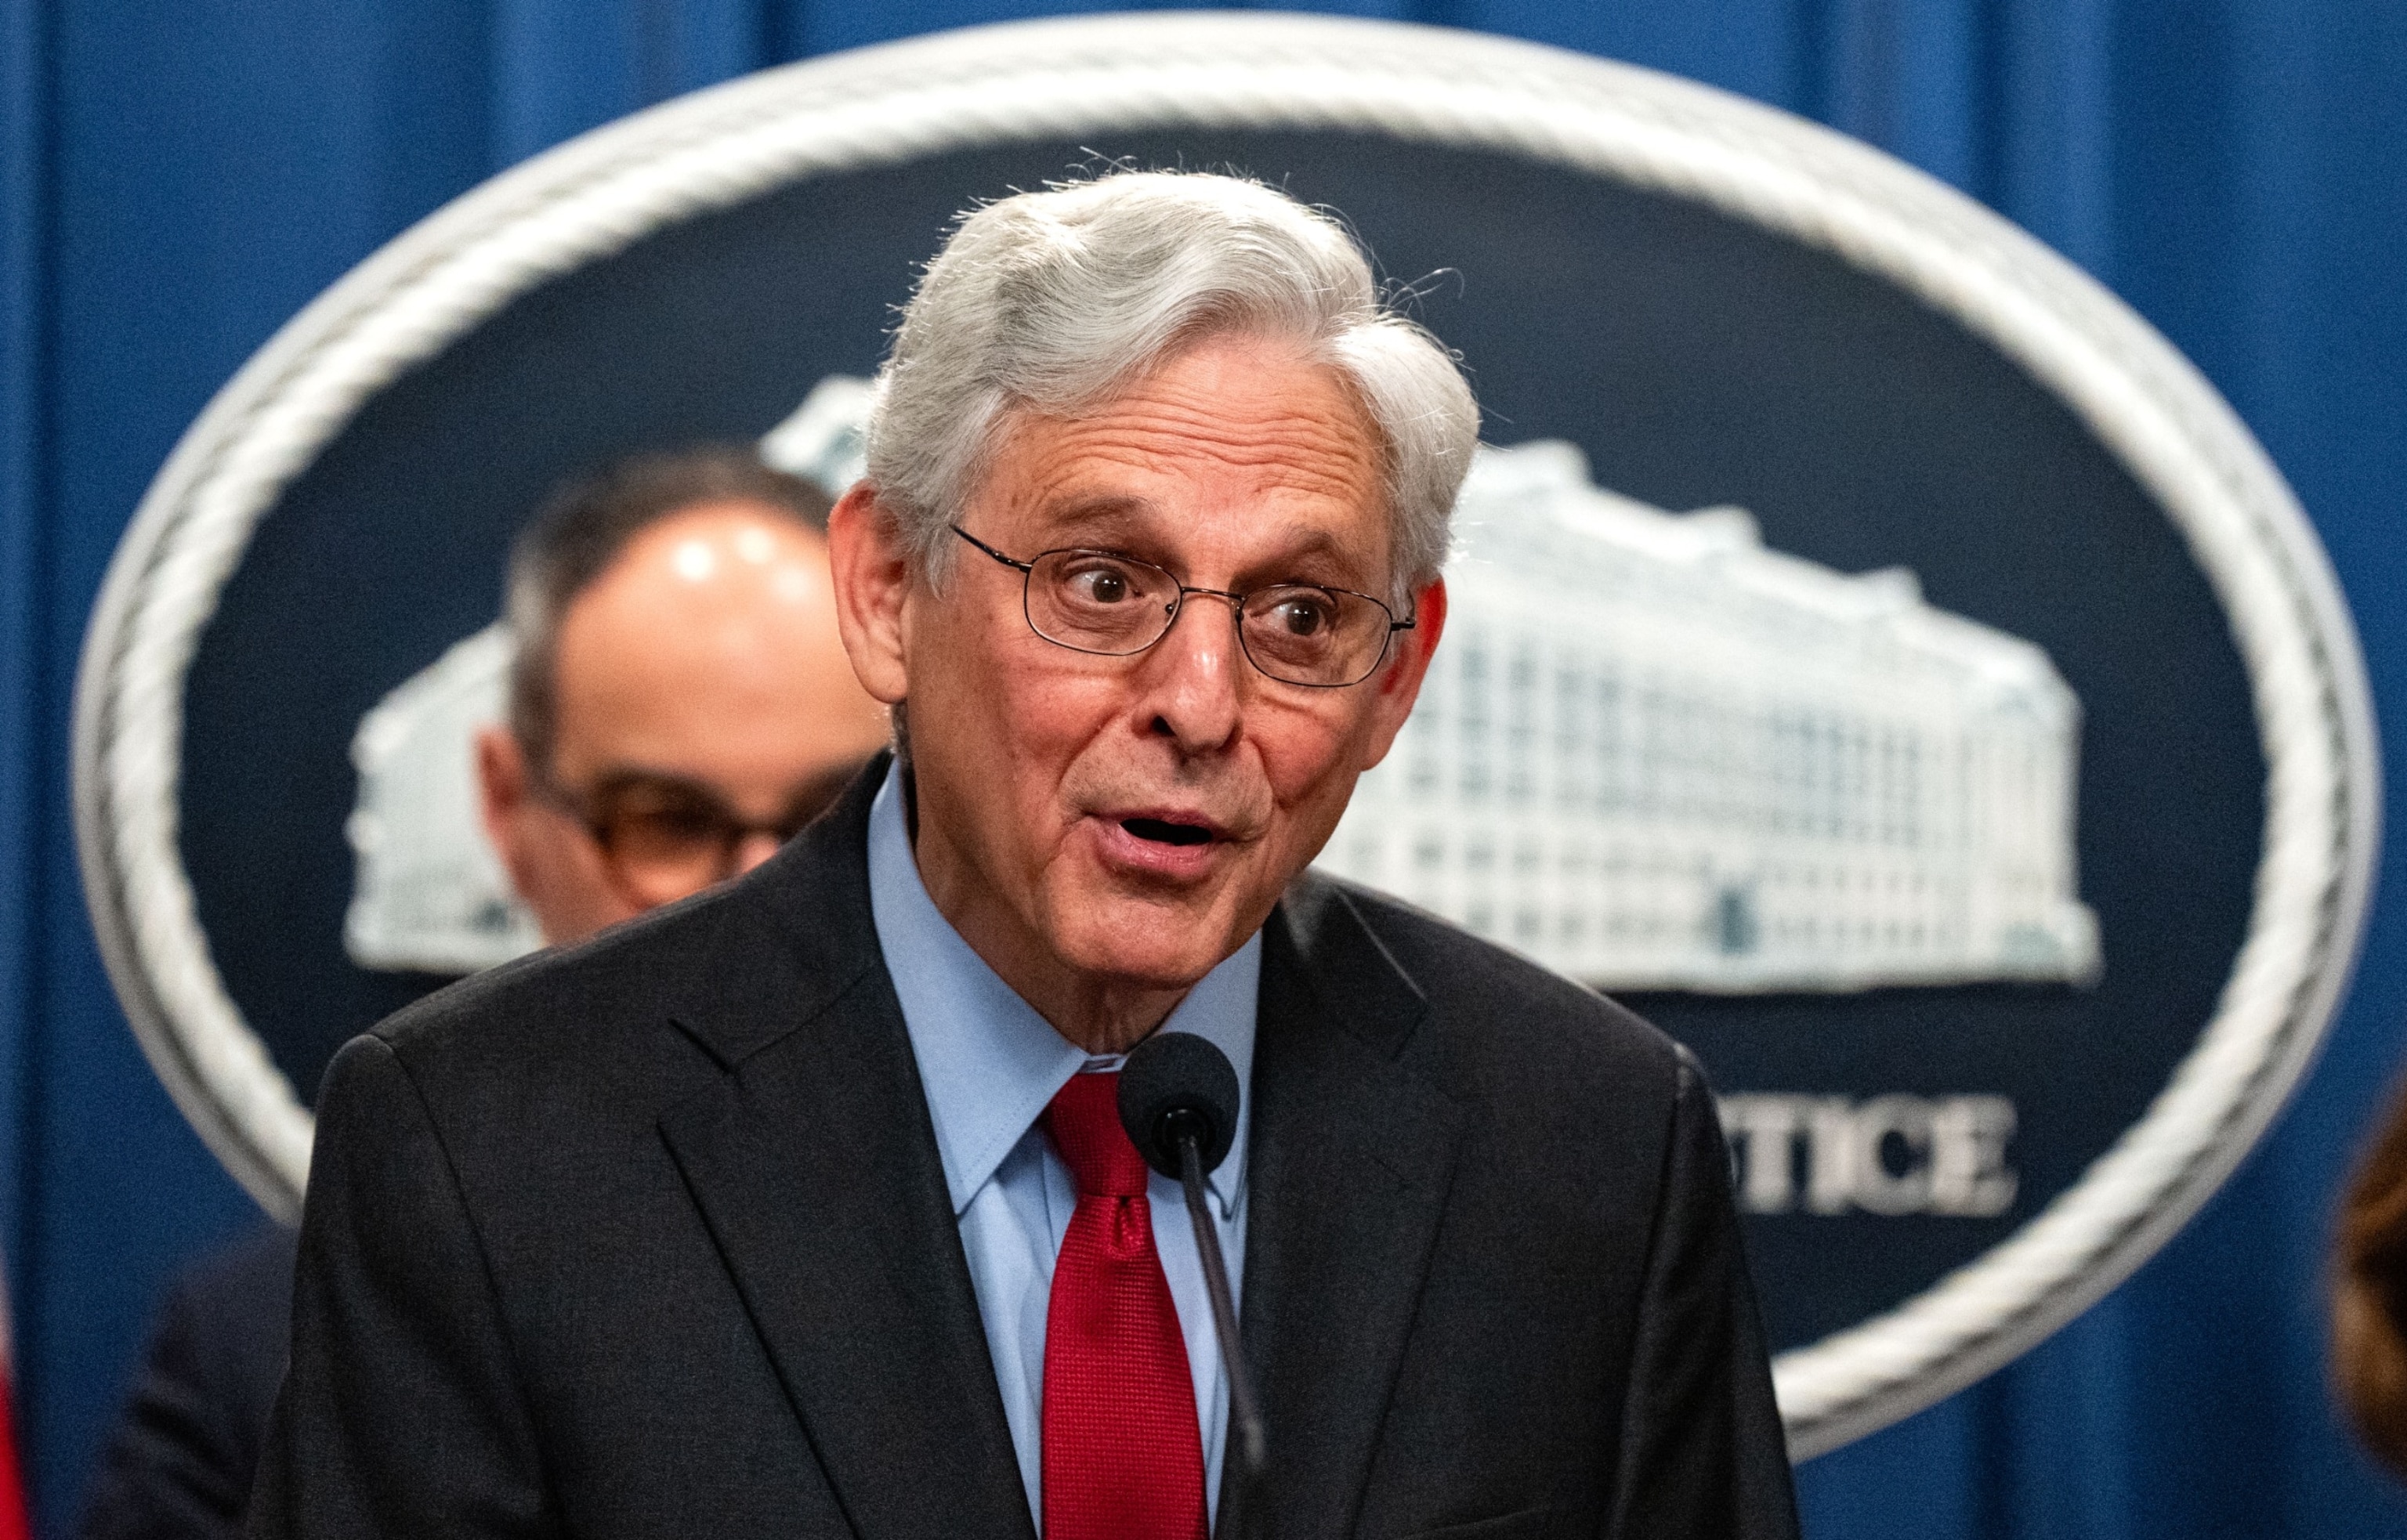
{"points": [[990, 1065]]}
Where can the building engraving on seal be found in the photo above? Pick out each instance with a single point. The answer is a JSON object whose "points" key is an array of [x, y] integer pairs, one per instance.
{"points": [[1654, 754]]}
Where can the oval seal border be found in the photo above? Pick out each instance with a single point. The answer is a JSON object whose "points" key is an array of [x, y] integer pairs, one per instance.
{"points": [[598, 194]]}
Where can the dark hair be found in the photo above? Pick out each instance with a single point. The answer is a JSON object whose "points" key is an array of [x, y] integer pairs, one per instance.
{"points": [[580, 531], [2369, 1285]]}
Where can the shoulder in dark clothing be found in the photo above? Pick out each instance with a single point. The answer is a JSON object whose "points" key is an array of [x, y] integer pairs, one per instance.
{"points": [[182, 1459]]}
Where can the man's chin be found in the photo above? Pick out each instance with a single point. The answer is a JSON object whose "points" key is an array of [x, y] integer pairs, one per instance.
{"points": [[1144, 943]]}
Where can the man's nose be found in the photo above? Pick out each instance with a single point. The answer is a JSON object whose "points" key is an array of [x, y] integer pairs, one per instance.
{"points": [[1192, 675]]}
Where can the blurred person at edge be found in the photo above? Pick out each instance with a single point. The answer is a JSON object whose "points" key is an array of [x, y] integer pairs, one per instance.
{"points": [[2369, 1286], [805, 1207], [680, 703]]}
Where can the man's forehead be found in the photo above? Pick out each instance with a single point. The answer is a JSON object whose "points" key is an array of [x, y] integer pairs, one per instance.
{"points": [[1132, 522], [1302, 475], [1277, 418], [1094, 464], [759, 533], [718, 593]]}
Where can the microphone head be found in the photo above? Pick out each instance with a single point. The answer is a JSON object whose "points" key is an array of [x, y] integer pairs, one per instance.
{"points": [[1176, 1081]]}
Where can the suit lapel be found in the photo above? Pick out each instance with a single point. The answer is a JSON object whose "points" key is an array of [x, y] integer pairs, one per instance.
{"points": [[1352, 1151], [814, 1164]]}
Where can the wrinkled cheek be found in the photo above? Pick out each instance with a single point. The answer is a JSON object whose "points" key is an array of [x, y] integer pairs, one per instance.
{"points": [[1055, 710], [1025, 737], [1309, 762], [1312, 816]]}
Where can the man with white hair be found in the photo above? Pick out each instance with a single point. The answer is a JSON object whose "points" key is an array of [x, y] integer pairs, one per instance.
{"points": [[803, 1208]]}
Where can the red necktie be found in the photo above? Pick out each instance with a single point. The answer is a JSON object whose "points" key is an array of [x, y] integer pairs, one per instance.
{"points": [[1124, 1456]]}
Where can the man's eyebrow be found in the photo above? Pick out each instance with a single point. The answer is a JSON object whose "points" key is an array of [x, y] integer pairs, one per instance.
{"points": [[1121, 523], [1304, 548], [1307, 541], [1101, 518], [623, 777]]}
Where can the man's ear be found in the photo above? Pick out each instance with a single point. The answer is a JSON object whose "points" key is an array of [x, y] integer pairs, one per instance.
{"points": [[872, 578], [1398, 682], [502, 793]]}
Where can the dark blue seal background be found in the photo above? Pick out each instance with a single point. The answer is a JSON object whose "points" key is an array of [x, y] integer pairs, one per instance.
{"points": [[1697, 360]]}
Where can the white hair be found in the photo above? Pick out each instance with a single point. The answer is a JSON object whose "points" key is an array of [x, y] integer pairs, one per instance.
{"points": [[1056, 301]]}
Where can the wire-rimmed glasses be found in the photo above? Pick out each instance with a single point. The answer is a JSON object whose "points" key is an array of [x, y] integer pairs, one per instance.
{"points": [[1116, 606]]}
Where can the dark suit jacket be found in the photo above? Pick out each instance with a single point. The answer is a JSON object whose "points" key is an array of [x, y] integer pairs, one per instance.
{"points": [[180, 1464], [650, 1238]]}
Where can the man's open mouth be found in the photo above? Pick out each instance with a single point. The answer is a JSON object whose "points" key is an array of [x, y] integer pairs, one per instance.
{"points": [[1163, 833]]}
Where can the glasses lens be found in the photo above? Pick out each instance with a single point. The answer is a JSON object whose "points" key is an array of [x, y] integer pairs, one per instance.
{"points": [[1313, 636], [666, 841], [1100, 604]]}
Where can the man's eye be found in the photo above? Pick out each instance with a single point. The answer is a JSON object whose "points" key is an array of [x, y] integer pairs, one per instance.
{"points": [[685, 823], [1101, 585], [1298, 615], [666, 820]]}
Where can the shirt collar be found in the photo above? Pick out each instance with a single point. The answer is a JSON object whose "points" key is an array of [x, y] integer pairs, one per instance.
{"points": [[987, 1061]]}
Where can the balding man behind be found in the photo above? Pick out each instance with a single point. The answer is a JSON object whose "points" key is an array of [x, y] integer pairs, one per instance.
{"points": [[680, 703]]}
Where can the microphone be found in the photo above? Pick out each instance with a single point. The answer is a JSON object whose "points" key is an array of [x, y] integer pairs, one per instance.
{"points": [[1179, 1102]]}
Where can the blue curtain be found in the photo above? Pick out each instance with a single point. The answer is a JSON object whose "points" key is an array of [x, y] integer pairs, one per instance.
{"points": [[177, 177]]}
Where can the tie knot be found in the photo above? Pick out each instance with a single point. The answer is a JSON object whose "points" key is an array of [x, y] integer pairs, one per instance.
{"points": [[1085, 1123]]}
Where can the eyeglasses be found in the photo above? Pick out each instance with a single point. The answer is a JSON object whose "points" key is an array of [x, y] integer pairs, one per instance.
{"points": [[665, 837], [1115, 605]]}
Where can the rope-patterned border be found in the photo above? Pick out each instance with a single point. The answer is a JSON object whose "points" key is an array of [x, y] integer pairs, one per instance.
{"points": [[1054, 79]]}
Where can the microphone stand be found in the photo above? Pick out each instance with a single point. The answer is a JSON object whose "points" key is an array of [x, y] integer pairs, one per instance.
{"points": [[1245, 1412], [1179, 1103]]}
